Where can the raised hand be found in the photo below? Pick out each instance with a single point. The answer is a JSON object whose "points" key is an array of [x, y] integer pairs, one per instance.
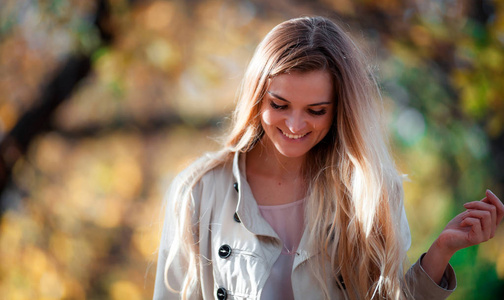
{"points": [[475, 225]]}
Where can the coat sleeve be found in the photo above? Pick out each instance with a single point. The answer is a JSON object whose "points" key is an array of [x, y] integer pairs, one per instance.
{"points": [[178, 268], [419, 283], [423, 287]]}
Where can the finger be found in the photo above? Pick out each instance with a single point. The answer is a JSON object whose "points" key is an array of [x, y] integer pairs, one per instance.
{"points": [[479, 205], [493, 199], [475, 224], [487, 226]]}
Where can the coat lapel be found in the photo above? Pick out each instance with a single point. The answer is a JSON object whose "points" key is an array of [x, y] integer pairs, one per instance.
{"points": [[247, 208]]}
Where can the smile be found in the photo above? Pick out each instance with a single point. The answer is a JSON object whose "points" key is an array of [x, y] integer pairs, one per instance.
{"points": [[293, 136]]}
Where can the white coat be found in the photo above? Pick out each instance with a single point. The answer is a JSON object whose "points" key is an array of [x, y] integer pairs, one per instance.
{"points": [[238, 247]]}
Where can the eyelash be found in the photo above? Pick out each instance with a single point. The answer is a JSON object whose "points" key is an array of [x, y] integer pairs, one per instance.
{"points": [[276, 106], [311, 111], [318, 112]]}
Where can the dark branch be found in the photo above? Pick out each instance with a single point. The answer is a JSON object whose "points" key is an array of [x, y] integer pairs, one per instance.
{"points": [[37, 119]]}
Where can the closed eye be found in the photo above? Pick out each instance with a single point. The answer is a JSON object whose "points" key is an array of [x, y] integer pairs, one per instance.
{"points": [[276, 106], [320, 112]]}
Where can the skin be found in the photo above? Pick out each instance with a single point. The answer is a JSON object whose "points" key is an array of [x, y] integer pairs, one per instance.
{"points": [[299, 105], [475, 225], [274, 165]]}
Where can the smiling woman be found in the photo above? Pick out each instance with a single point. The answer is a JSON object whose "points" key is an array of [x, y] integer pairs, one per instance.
{"points": [[304, 201], [297, 112]]}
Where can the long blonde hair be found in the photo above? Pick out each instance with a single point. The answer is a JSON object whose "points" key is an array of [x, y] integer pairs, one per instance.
{"points": [[355, 193]]}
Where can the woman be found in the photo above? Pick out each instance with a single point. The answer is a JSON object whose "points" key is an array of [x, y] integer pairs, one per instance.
{"points": [[304, 201]]}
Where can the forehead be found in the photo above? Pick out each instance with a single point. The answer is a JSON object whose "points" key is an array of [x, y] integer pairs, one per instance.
{"points": [[303, 87]]}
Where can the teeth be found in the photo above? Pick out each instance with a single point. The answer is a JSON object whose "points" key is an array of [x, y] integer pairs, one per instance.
{"points": [[293, 136]]}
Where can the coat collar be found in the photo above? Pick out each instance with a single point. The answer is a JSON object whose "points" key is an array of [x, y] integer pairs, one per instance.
{"points": [[247, 208], [251, 217]]}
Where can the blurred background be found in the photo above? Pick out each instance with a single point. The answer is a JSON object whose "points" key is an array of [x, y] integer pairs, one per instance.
{"points": [[103, 102]]}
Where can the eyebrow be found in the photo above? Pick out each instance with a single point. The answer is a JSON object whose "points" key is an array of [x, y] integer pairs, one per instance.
{"points": [[283, 99]]}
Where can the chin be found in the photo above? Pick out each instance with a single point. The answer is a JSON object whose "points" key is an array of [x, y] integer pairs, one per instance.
{"points": [[291, 154]]}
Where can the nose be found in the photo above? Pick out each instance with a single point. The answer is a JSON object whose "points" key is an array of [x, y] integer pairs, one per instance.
{"points": [[295, 122]]}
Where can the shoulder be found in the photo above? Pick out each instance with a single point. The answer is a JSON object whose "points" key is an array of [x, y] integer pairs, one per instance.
{"points": [[208, 170]]}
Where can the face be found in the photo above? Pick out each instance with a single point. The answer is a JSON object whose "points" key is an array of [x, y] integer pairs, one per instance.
{"points": [[297, 111]]}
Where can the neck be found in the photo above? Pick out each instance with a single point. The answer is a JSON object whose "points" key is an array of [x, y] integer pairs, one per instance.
{"points": [[264, 158]]}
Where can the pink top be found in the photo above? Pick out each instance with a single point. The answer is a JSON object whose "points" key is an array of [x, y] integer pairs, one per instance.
{"points": [[288, 222]]}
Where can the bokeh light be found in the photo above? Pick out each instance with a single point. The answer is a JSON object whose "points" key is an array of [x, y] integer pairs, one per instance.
{"points": [[83, 180]]}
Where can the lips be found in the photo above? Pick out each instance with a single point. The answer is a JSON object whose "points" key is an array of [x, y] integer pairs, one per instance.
{"points": [[293, 136]]}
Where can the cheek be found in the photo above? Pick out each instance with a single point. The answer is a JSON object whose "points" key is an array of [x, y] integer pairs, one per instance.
{"points": [[325, 124], [268, 117]]}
